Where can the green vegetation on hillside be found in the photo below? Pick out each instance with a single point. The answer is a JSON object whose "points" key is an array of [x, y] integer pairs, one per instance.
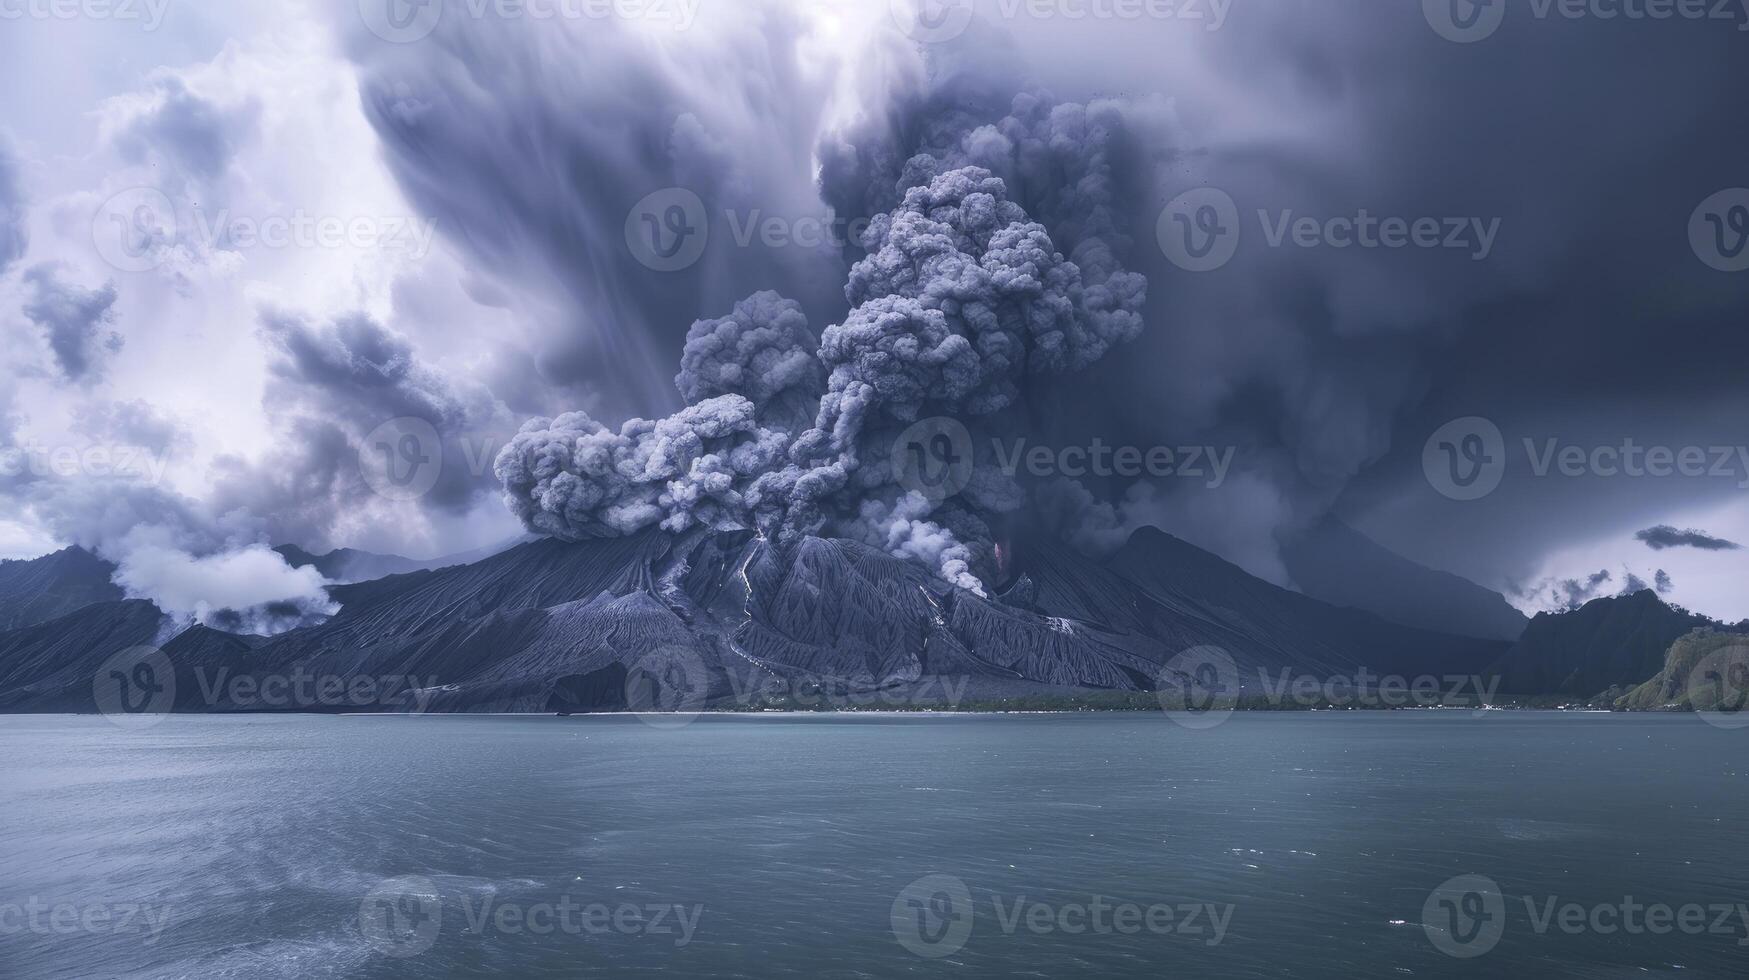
{"points": [[1706, 670]]}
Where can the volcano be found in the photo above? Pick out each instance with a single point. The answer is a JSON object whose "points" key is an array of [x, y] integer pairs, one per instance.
{"points": [[557, 626]]}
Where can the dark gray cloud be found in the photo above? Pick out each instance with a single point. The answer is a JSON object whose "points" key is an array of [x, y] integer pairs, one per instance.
{"points": [[169, 549], [1569, 594], [308, 479], [960, 301], [762, 351], [76, 322], [1569, 329], [1663, 583], [357, 366], [187, 139], [1325, 368], [331, 386], [1664, 536], [131, 423], [531, 143], [13, 233]]}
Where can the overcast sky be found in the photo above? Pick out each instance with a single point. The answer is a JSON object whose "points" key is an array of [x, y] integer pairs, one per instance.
{"points": [[239, 239]]}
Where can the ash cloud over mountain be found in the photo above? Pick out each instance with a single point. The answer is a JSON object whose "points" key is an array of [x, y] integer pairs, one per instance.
{"points": [[1325, 369], [167, 548], [960, 302], [1322, 369], [530, 142]]}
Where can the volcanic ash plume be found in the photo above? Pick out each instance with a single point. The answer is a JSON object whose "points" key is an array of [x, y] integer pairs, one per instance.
{"points": [[960, 301]]}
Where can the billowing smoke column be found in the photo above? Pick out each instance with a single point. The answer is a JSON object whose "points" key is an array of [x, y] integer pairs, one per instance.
{"points": [[762, 352], [961, 300], [1061, 161], [750, 379], [572, 477]]}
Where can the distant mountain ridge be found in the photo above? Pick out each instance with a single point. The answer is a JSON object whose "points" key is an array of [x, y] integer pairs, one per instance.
{"points": [[41, 589], [1615, 641], [550, 625], [353, 565], [1339, 565]]}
